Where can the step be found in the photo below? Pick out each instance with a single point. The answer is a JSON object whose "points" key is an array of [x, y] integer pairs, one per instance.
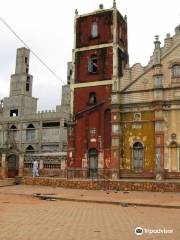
{"points": [[7, 182]]}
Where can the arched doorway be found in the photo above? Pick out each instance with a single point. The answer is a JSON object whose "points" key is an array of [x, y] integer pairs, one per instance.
{"points": [[93, 163], [12, 165], [138, 156], [174, 156]]}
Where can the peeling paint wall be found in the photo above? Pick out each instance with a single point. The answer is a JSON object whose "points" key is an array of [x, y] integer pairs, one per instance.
{"points": [[143, 131]]}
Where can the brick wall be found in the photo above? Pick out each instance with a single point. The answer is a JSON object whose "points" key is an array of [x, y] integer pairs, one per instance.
{"points": [[151, 186]]}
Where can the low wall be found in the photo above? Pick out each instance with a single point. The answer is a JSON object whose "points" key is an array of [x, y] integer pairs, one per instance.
{"points": [[121, 185]]}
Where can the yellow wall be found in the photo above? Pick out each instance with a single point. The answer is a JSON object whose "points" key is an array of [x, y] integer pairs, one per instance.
{"points": [[145, 134]]}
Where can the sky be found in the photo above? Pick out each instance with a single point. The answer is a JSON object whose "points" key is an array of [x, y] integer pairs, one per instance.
{"points": [[47, 28]]}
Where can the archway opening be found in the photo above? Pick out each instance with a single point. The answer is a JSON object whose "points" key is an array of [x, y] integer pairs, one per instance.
{"points": [[93, 163]]}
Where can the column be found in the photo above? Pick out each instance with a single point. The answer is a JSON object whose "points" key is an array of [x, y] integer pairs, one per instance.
{"points": [[4, 166], [21, 165]]}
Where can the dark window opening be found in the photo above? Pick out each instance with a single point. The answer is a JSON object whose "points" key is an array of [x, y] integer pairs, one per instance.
{"points": [[92, 98], [29, 149], [13, 127], [51, 124], [14, 113], [26, 59], [27, 70], [30, 126], [27, 87], [65, 125], [28, 84], [92, 64]]}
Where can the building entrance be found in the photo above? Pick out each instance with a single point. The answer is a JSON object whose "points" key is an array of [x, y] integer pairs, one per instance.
{"points": [[138, 156], [12, 164], [93, 163]]}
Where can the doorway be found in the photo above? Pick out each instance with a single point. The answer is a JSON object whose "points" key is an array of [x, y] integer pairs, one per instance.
{"points": [[12, 164], [138, 156], [93, 163]]}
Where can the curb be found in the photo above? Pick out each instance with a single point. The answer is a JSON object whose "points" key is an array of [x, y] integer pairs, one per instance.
{"points": [[123, 204]]}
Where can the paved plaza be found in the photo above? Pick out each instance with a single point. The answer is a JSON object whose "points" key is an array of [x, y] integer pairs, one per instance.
{"points": [[23, 217]]}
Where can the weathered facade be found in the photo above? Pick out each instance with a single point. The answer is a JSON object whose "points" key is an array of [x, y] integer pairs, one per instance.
{"points": [[26, 134], [99, 55], [145, 113], [125, 119]]}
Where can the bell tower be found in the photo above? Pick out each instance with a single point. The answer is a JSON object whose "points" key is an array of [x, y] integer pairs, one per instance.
{"points": [[99, 56]]}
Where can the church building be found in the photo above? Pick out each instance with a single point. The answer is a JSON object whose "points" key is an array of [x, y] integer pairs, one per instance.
{"points": [[124, 120]]}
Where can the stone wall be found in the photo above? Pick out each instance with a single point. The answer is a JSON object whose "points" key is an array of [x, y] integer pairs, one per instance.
{"points": [[151, 186]]}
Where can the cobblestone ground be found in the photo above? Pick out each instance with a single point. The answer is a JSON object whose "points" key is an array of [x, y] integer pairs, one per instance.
{"points": [[25, 218]]}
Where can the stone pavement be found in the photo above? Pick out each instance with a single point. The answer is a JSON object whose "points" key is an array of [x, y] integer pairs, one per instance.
{"points": [[25, 218], [154, 199]]}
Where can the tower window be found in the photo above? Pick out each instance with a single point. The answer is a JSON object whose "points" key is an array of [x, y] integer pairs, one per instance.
{"points": [[27, 84], [26, 59], [94, 30], [92, 98], [14, 113], [92, 64], [27, 87]]}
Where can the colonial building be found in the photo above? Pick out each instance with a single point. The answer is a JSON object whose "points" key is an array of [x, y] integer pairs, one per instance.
{"points": [[145, 113], [26, 134], [125, 120]]}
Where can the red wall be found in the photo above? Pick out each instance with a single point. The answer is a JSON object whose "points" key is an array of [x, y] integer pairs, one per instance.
{"points": [[104, 62], [81, 96], [95, 118], [83, 29]]}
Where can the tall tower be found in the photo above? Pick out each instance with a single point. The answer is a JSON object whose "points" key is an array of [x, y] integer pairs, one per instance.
{"points": [[99, 56], [20, 102]]}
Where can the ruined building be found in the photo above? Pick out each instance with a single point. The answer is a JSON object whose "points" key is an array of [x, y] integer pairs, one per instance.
{"points": [[26, 134]]}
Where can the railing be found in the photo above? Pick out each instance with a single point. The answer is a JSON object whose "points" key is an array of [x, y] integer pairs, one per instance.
{"points": [[100, 173]]}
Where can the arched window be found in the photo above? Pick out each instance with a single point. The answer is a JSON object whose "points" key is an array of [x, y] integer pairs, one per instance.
{"points": [[29, 149], [174, 148], [138, 156], [13, 131], [30, 133], [94, 30], [13, 127], [92, 64], [92, 98], [176, 70], [30, 126]]}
